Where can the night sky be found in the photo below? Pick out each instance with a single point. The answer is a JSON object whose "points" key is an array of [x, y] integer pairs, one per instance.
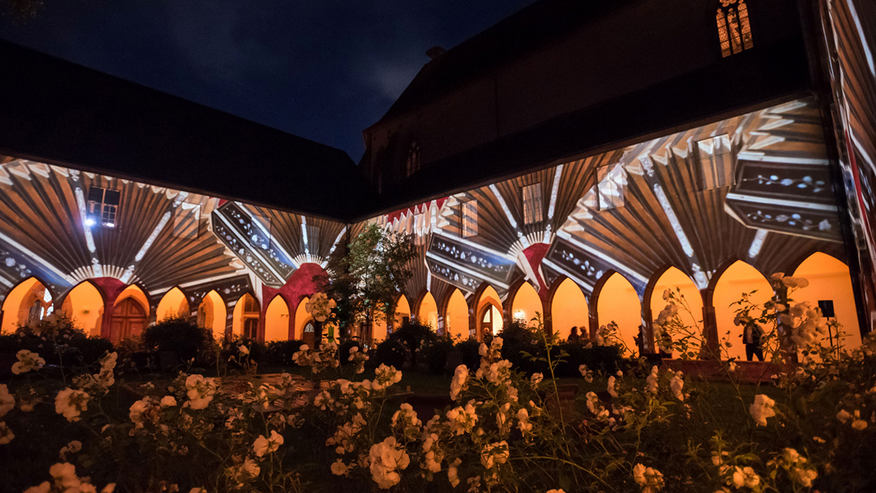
{"points": [[321, 69]]}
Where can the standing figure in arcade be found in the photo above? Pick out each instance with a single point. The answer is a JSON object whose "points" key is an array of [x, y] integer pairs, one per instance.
{"points": [[751, 336], [640, 341]]}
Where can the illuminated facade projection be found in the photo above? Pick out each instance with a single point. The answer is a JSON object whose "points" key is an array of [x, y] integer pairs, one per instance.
{"points": [[153, 253], [547, 178], [752, 189]]}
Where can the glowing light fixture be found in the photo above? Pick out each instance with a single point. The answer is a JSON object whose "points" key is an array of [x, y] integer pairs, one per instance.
{"points": [[519, 315], [89, 222]]}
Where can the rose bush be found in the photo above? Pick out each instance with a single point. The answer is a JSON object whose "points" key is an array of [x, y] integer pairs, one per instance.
{"points": [[644, 430]]}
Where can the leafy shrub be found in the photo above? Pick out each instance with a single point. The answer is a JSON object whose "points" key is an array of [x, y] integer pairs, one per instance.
{"points": [[280, 352], [183, 338], [58, 339], [434, 354], [413, 336], [597, 358], [231, 356], [90, 349], [469, 349], [519, 341], [391, 352]]}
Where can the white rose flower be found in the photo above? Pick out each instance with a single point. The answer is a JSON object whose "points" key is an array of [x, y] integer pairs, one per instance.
{"points": [[651, 386], [387, 458], [6, 434], [339, 468], [761, 409], [7, 400], [71, 403], [676, 385], [460, 377], [200, 391], [27, 361], [611, 391], [535, 380], [650, 479], [264, 445]]}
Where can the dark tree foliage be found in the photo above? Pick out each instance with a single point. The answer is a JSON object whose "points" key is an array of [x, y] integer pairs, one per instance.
{"points": [[366, 278], [179, 336]]}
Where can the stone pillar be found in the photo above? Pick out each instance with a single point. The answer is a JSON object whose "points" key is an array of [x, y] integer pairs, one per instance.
{"points": [[547, 315], [648, 327], [711, 349], [594, 320]]}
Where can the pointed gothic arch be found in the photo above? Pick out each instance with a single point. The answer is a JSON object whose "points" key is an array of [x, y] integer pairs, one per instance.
{"points": [[525, 304], [674, 279], [174, 303], [617, 301], [830, 280], [488, 310], [85, 303], [427, 311], [245, 317], [569, 308], [402, 310], [212, 314], [455, 314], [28, 301], [729, 284], [277, 320]]}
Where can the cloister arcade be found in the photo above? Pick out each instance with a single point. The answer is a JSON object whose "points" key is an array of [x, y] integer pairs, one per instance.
{"points": [[562, 305]]}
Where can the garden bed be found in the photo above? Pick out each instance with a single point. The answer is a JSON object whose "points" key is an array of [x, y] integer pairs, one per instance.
{"points": [[745, 371]]}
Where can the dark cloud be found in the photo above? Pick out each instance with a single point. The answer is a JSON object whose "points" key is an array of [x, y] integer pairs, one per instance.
{"points": [[321, 69]]}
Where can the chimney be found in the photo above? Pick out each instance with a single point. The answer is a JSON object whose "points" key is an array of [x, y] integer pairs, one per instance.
{"points": [[435, 52]]}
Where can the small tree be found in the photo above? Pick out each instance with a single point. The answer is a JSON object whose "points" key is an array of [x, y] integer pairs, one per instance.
{"points": [[365, 282]]}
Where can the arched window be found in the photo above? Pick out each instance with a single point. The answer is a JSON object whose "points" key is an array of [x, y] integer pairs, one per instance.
{"points": [[413, 161], [246, 317], [734, 29]]}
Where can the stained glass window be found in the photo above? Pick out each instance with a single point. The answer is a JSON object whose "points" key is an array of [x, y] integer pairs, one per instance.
{"points": [[734, 28]]}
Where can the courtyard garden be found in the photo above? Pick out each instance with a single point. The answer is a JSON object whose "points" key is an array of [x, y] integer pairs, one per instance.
{"points": [[178, 410]]}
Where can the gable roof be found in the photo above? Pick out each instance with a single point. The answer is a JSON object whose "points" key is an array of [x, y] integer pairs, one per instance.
{"points": [[758, 78], [523, 31], [56, 111]]}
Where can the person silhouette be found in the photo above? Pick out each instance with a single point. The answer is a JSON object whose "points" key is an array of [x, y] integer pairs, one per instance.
{"points": [[573, 335]]}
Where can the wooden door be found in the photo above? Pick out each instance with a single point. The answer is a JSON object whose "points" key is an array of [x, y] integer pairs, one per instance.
{"points": [[309, 334], [128, 320]]}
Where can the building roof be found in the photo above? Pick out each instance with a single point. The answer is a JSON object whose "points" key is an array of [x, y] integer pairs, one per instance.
{"points": [[753, 79], [58, 112], [521, 32]]}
